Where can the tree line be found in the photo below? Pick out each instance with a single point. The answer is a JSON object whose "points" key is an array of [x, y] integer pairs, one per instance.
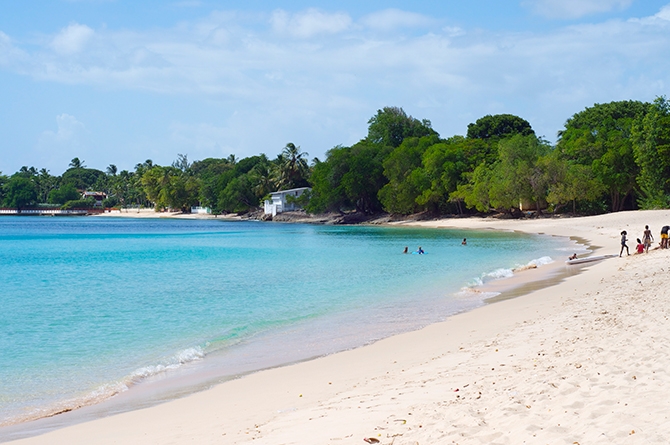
{"points": [[608, 157]]}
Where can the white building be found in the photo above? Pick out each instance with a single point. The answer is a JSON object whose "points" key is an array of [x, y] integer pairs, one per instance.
{"points": [[201, 210], [278, 202]]}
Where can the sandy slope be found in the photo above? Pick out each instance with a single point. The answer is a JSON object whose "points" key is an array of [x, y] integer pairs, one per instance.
{"points": [[581, 362]]}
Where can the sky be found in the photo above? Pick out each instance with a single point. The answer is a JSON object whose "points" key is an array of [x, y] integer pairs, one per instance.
{"points": [[121, 81]]}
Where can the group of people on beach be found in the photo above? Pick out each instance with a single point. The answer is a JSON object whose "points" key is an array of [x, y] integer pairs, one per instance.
{"points": [[647, 238]]}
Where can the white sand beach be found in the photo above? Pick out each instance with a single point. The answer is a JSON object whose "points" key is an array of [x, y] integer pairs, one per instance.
{"points": [[581, 362]]}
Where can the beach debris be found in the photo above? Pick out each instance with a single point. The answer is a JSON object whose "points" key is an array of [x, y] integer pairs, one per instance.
{"points": [[401, 420], [371, 440]]}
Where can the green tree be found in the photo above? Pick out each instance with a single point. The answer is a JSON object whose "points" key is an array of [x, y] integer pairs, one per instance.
{"points": [[601, 137], [63, 194], [651, 146], [445, 165], [349, 178], [406, 178], [238, 195], [291, 168], [77, 163], [499, 126], [45, 184], [570, 182], [327, 193], [3, 181], [517, 176], [19, 192], [169, 187], [208, 173], [519, 172], [82, 178], [391, 125]]}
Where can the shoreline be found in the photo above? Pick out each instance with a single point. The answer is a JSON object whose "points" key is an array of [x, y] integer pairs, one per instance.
{"points": [[355, 368]]}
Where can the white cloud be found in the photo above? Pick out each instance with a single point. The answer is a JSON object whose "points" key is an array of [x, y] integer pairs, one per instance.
{"points": [[71, 139], [391, 19], [6, 48], [664, 13], [309, 23], [69, 128], [321, 91], [72, 39], [573, 9], [454, 31]]}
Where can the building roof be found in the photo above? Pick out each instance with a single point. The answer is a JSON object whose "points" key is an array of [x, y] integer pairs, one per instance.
{"points": [[282, 192]]}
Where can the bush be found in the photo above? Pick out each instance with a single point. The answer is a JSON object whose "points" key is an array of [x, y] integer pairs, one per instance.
{"points": [[79, 204], [112, 201], [64, 194]]}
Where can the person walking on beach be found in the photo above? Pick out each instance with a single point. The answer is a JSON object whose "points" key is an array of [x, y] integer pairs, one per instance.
{"points": [[664, 237], [623, 243], [647, 239]]}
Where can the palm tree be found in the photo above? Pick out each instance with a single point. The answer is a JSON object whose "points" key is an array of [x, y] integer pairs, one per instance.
{"points": [[293, 168], [111, 170], [76, 163], [45, 183]]}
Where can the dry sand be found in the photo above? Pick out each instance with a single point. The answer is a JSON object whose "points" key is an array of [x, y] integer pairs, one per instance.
{"points": [[581, 362]]}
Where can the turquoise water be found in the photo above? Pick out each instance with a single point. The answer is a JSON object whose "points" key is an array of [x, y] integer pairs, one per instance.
{"points": [[92, 307]]}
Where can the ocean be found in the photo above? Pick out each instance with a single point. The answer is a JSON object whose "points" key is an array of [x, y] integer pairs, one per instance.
{"points": [[96, 309]]}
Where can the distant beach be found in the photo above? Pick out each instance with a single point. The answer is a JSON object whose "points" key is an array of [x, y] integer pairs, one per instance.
{"points": [[581, 361]]}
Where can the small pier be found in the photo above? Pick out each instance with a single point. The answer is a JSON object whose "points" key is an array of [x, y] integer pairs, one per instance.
{"points": [[49, 212]]}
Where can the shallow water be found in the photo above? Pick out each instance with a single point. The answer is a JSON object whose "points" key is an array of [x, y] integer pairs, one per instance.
{"points": [[94, 306]]}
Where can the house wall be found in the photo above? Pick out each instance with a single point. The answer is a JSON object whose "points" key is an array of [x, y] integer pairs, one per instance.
{"points": [[278, 202]]}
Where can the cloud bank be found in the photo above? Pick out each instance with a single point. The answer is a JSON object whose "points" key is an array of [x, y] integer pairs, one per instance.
{"points": [[316, 77]]}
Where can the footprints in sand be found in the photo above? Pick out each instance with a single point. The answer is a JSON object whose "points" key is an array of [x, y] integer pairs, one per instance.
{"points": [[595, 372]]}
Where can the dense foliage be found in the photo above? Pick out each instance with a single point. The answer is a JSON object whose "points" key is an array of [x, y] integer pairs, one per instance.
{"points": [[608, 157]]}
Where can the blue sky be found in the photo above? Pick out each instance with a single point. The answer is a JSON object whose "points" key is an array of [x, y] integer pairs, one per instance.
{"points": [[120, 81]]}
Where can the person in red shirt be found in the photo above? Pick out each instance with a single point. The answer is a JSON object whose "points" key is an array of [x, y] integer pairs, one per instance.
{"points": [[640, 246]]}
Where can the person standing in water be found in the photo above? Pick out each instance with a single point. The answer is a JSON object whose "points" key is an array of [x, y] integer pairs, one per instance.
{"points": [[405, 251], [465, 242], [623, 243], [647, 238]]}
